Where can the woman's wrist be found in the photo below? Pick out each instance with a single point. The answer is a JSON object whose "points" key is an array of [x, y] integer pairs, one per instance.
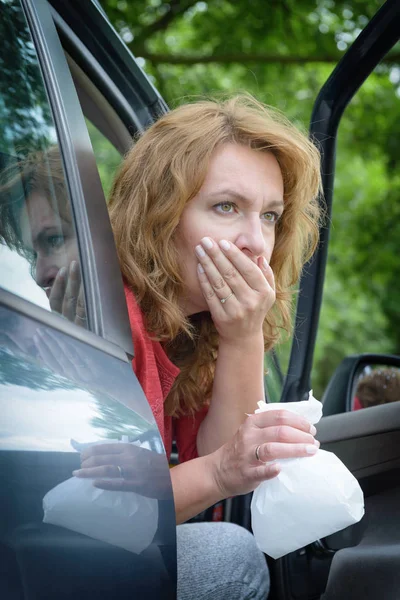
{"points": [[253, 342], [216, 473], [196, 486]]}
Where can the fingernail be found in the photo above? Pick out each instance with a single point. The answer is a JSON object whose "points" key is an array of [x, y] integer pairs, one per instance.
{"points": [[311, 449], [200, 251], [62, 272], [76, 473], [200, 268], [224, 245], [313, 430], [207, 243], [74, 267], [265, 263], [317, 443], [275, 469]]}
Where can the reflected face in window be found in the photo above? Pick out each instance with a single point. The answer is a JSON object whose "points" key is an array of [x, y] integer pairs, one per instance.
{"points": [[50, 237]]}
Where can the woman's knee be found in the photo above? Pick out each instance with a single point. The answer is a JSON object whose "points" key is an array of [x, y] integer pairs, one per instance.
{"points": [[218, 558]]}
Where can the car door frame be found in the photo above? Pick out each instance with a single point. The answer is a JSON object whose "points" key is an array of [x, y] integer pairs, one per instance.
{"points": [[373, 43]]}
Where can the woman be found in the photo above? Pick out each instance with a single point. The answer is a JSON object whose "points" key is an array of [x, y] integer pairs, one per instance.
{"points": [[214, 213]]}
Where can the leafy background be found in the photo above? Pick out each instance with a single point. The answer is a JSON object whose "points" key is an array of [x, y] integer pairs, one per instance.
{"points": [[282, 51]]}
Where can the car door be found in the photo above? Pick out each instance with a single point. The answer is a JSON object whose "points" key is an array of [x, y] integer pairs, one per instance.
{"points": [[118, 101], [361, 561], [66, 379]]}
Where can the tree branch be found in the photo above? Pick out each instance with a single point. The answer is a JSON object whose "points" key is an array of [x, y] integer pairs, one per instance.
{"points": [[176, 8], [175, 59]]}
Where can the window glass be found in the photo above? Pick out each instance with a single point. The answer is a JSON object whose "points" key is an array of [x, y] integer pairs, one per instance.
{"points": [[273, 377], [39, 255], [107, 157]]}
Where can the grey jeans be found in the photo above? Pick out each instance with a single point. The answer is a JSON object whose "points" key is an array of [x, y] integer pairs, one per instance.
{"points": [[218, 561]]}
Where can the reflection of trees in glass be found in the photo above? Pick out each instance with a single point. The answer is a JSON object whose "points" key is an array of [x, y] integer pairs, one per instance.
{"points": [[23, 372], [25, 119], [113, 418], [117, 420]]}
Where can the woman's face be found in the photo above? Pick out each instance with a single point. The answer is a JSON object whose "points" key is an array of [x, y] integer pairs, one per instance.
{"points": [[51, 238], [240, 201]]}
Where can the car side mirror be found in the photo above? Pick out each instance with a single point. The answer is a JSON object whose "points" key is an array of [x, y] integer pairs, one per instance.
{"points": [[362, 380]]}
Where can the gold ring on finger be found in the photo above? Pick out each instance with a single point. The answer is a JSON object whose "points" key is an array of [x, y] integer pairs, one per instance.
{"points": [[223, 300], [257, 453]]}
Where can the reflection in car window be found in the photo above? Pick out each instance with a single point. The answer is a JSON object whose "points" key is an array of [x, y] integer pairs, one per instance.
{"points": [[39, 256]]}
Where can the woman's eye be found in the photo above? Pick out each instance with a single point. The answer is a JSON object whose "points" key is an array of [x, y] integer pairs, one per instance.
{"points": [[224, 207], [271, 217], [55, 241]]}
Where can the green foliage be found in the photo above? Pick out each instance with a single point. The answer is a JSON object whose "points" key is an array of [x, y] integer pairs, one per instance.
{"points": [[282, 51], [107, 157]]}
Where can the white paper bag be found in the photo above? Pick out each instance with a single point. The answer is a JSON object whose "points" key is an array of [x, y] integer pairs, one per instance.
{"points": [[124, 519], [312, 497]]}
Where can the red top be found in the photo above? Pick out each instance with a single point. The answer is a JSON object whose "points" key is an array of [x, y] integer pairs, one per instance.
{"points": [[156, 374]]}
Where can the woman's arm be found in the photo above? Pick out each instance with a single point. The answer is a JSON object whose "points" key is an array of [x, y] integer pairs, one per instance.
{"points": [[194, 487], [234, 469], [238, 386], [249, 289], [231, 470]]}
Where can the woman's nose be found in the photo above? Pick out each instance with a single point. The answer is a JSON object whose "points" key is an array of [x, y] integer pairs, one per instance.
{"points": [[45, 271], [252, 239]]}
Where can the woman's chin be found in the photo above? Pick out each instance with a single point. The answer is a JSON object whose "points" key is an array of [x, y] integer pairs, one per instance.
{"points": [[194, 308]]}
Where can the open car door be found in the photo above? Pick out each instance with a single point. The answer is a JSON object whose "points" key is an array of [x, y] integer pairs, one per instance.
{"points": [[362, 561]]}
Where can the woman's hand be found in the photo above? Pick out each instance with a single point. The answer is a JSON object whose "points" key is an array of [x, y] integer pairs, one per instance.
{"points": [[249, 458], [67, 295], [126, 468], [238, 291]]}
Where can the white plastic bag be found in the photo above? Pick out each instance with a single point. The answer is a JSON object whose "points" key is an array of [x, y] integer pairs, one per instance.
{"points": [[124, 519], [312, 497]]}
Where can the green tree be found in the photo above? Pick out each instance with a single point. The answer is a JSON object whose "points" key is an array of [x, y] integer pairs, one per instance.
{"points": [[283, 51]]}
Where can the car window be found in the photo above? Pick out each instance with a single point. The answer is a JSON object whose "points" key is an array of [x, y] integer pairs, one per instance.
{"points": [[273, 377], [107, 156], [39, 253]]}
